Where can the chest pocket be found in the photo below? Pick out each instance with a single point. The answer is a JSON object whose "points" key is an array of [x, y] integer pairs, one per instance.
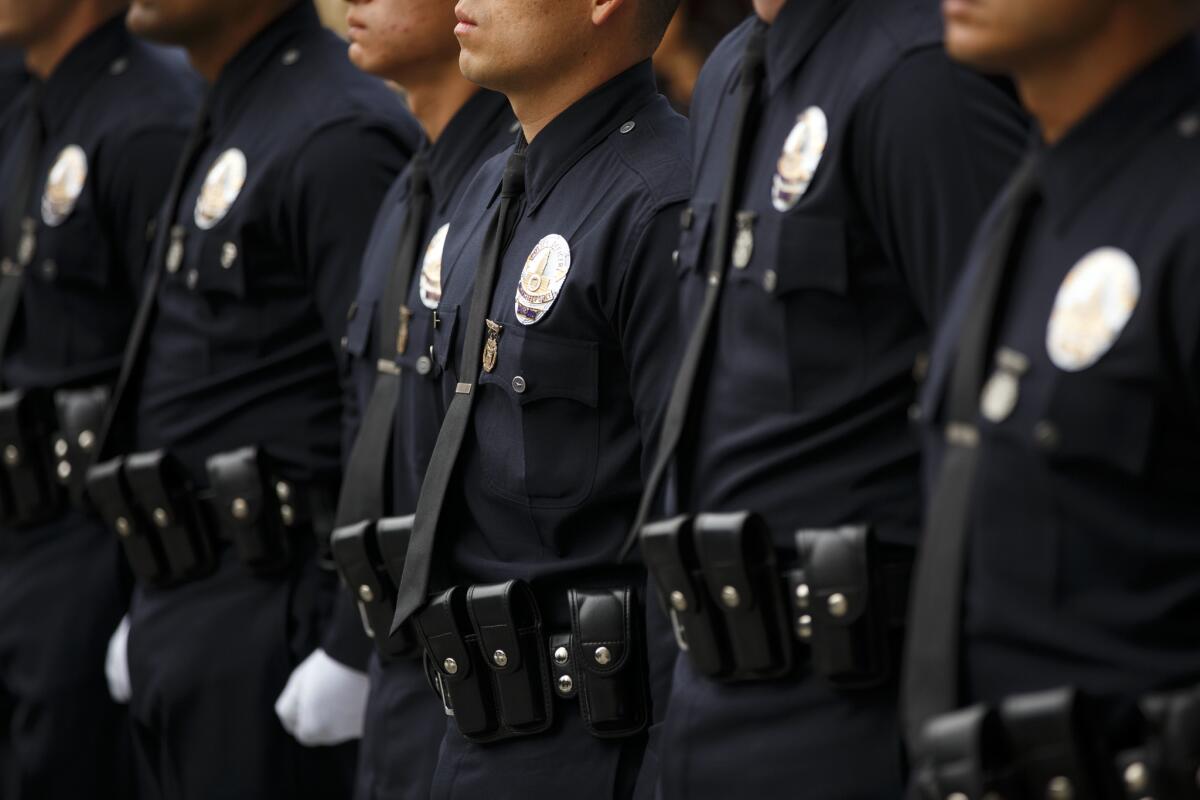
{"points": [[419, 359], [537, 420], [795, 287], [1094, 421], [75, 253]]}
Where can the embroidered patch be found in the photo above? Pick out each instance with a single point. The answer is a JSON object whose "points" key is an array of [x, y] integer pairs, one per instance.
{"points": [[802, 152], [221, 188], [64, 185], [1093, 305], [430, 286], [542, 278]]}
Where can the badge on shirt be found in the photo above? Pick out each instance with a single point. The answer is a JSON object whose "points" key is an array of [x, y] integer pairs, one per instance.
{"points": [[221, 188], [802, 152], [1093, 305], [430, 285], [64, 185], [542, 278]]}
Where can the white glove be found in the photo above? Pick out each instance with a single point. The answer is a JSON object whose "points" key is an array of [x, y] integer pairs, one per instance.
{"points": [[324, 702], [116, 663]]}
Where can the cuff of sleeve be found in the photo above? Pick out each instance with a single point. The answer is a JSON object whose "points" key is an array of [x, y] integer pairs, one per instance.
{"points": [[345, 640]]}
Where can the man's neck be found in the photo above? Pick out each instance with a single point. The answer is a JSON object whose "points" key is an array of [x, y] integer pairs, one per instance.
{"points": [[1061, 89], [210, 54], [43, 56], [436, 97], [537, 107]]}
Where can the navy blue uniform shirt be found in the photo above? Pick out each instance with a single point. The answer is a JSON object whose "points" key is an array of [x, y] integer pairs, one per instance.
{"points": [[116, 112], [565, 421], [863, 184], [482, 127], [1084, 537], [244, 348], [13, 77]]}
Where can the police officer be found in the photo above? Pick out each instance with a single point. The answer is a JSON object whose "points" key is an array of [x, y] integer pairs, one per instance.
{"points": [[841, 162], [554, 339], [85, 159], [219, 469], [1059, 571], [389, 339]]}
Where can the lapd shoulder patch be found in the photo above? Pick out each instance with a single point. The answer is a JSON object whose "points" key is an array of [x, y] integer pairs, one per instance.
{"points": [[221, 188], [64, 185], [542, 278], [802, 152], [430, 284], [1093, 305]]}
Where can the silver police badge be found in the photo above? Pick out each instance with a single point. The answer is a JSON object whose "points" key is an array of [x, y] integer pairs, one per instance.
{"points": [[1093, 305], [542, 278], [64, 185], [430, 284], [221, 188], [802, 152]]}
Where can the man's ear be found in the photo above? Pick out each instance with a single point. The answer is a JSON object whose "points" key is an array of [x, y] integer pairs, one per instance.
{"points": [[603, 10]]}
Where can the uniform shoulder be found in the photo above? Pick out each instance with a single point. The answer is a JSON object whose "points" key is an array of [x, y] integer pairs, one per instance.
{"points": [[157, 85], [653, 144], [899, 27], [721, 66]]}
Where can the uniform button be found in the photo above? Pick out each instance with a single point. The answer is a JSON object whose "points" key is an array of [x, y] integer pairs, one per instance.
{"points": [[500, 658], [518, 385], [838, 605], [424, 365], [161, 518], [345, 342], [119, 66], [64, 470], [675, 257], [678, 601], [193, 278], [561, 656], [240, 508], [802, 593], [1189, 125], [229, 254], [565, 684], [1046, 435], [290, 57], [770, 280], [283, 490], [730, 597], [49, 269], [603, 655], [628, 127], [123, 527], [366, 594], [450, 665], [61, 448]]}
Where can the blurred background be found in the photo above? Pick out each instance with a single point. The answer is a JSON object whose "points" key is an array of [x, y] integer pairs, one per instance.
{"points": [[697, 28]]}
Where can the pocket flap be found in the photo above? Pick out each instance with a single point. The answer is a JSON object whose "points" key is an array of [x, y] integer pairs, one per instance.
{"points": [[801, 252], [836, 564], [500, 613], [531, 367], [729, 548], [441, 625], [1082, 404], [601, 619], [237, 482]]}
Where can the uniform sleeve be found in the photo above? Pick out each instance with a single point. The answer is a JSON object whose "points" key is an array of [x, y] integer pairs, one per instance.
{"points": [[931, 146], [338, 183], [344, 640], [135, 181], [1179, 294], [648, 326]]}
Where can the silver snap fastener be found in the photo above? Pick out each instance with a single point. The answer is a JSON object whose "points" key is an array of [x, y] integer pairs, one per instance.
{"points": [[287, 515], [119, 66], [63, 470], [1060, 788], [675, 258], [730, 597], [1136, 778], [86, 440], [345, 342], [628, 127], [804, 627], [290, 57], [770, 280], [161, 518], [239, 508], [802, 595], [957, 796], [500, 658], [565, 684], [61, 448], [518, 385], [1189, 125], [678, 601], [424, 365], [122, 526], [193, 279], [561, 655], [12, 455], [838, 604], [283, 491], [365, 594], [450, 665], [603, 655], [229, 254]]}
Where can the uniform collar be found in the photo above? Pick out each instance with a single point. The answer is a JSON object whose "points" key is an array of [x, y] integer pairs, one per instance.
{"points": [[574, 132], [1076, 167], [233, 82], [794, 33], [457, 149], [94, 56]]}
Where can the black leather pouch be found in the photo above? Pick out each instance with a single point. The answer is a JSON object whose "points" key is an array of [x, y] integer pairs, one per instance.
{"points": [[737, 558], [1168, 764], [80, 413], [667, 548], [26, 426], [360, 567], [456, 665], [113, 501], [964, 753], [246, 509], [847, 615], [162, 492], [392, 535], [610, 654], [508, 625], [1054, 752]]}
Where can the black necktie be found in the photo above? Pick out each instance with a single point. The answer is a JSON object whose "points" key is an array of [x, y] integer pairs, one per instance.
{"points": [[20, 229], [675, 420], [931, 663], [362, 496], [166, 235], [414, 584]]}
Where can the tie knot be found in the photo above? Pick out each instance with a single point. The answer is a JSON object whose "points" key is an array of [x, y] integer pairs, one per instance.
{"points": [[755, 54], [418, 177], [513, 184]]}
